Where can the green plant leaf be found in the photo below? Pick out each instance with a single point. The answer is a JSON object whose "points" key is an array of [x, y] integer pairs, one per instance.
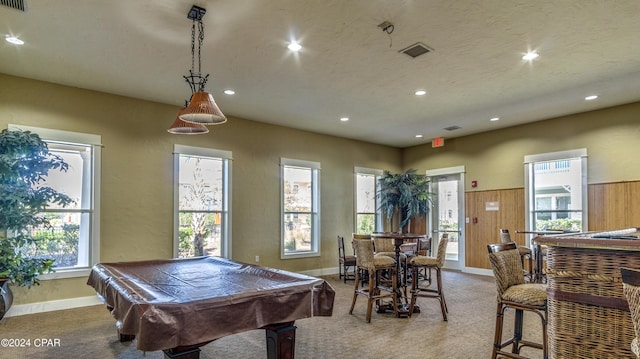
{"points": [[25, 161]]}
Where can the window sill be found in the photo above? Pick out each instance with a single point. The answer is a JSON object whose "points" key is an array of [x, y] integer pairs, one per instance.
{"points": [[300, 255], [66, 273]]}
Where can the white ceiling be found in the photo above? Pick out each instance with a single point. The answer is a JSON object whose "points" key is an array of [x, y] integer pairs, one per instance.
{"points": [[348, 65]]}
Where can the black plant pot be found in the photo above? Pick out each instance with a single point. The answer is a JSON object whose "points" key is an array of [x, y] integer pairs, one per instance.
{"points": [[6, 297]]}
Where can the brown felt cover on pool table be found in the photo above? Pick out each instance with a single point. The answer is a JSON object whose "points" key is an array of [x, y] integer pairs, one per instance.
{"points": [[180, 302]]}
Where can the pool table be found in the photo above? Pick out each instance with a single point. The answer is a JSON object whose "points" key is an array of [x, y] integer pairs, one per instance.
{"points": [[179, 305]]}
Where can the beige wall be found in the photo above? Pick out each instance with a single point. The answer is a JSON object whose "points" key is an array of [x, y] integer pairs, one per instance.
{"points": [[137, 176], [137, 192], [495, 159]]}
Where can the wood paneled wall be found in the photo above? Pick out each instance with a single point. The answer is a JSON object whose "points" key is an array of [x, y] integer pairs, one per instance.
{"points": [[614, 205], [611, 206]]}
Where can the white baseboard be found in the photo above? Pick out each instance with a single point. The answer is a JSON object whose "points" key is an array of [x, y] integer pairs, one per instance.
{"points": [[479, 271], [320, 272], [40, 307]]}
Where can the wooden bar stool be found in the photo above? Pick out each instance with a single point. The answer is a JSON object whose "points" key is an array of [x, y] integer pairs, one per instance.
{"points": [[514, 293], [428, 263], [374, 266]]}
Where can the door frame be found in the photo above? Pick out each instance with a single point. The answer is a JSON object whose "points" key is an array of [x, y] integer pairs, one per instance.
{"points": [[456, 170]]}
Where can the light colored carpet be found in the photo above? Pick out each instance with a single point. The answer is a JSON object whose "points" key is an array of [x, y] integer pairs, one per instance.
{"points": [[90, 332]]}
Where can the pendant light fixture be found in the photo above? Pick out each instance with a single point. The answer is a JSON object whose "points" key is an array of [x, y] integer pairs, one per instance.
{"points": [[202, 109], [179, 127]]}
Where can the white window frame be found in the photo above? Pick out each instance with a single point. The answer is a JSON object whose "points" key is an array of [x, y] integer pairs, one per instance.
{"points": [[227, 157], [529, 185], [93, 243], [378, 213], [315, 208]]}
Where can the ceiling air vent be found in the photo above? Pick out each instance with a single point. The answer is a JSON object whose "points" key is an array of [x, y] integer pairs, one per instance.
{"points": [[416, 49], [452, 128], [14, 4]]}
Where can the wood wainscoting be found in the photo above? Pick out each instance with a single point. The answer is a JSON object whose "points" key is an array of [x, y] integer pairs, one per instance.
{"points": [[611, 206], [614, 205]]}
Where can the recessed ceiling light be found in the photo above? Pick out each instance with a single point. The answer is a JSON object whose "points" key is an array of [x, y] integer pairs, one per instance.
{"points": [[530, 55], [344, 119], [294, 46], [592, 97], [494, 119], [419, 136], [421, 92], [229, 92], [14, 40]]}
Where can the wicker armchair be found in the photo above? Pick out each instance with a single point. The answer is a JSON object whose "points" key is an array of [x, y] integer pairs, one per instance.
{"points": [[631, 288], [515, 294], [418, 262], [346, 263], [525, 253], [373, 266]]}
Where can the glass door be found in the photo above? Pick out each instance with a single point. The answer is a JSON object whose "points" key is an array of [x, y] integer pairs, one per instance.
{"points": [[447, 213]]}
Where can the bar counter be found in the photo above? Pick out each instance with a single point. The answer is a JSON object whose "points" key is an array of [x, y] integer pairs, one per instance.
{"points": [[588, 312]]}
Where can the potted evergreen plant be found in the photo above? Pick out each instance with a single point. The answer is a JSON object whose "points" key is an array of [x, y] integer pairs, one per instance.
{"points": [[25, 161], [404, 195]]}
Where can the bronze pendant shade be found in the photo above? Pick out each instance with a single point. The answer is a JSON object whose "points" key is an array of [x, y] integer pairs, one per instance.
{"points": [[203, 109], [180, 127]]}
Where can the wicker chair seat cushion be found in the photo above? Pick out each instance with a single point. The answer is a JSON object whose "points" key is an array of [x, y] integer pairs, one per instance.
{"points": [[424, 261], [635, 347], [391, 255], [383, 261], [530, 294]]}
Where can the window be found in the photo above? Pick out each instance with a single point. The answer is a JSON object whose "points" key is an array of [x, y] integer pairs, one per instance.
{"points": [[73, 239], [368, 217], [300, 208], [556, 187], [202, 222]]}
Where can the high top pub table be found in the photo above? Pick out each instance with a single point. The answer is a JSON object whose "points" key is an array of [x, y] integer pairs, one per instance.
{"points": [[398, 240]]}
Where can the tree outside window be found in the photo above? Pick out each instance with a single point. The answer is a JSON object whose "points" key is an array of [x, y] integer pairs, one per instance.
{"points": [[202, 202], [300, 203]]}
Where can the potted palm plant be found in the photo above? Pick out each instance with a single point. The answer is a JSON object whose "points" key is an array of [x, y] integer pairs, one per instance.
{"points": [[403, 196], [25, 161]]}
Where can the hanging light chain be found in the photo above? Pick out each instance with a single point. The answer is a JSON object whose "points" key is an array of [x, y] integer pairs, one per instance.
{"points": [[193, 42], [195, 79], [200, 39]]}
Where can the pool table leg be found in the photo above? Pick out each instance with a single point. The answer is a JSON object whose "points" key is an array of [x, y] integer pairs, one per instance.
{"points": [[281, 340]]}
